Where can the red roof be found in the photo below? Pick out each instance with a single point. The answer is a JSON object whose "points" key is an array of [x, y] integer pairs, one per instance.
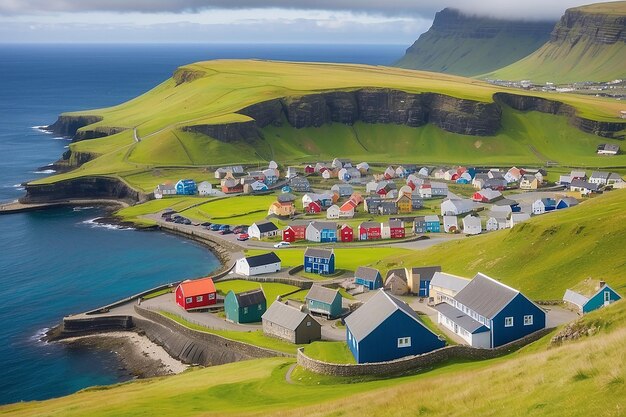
{"points": [[201, 286]]}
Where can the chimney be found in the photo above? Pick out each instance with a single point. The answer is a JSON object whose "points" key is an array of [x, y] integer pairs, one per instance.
{"points": [[601, 284]]}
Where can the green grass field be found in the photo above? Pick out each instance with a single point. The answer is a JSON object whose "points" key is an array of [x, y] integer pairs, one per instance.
{"points": [[580, 378], [333, 352], [168, 153], [271, 289]]}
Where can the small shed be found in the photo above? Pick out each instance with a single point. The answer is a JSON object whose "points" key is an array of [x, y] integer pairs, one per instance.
{"points": [[325, 301], [290, 324], [260, 264], [590, 295], [196, 294], [368, 277], [262, 230], [245, 307]]}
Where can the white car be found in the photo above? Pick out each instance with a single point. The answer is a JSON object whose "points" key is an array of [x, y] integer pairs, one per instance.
{"points": [[281, 244]]}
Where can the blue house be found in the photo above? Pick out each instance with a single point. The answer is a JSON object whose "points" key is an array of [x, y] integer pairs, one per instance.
{"points": [[385, 328], [324, 301], [432, 224], [488, 314], [186, 187], [566, 202], [319, 261], [590, 295], [419, 280], [370, 278]]}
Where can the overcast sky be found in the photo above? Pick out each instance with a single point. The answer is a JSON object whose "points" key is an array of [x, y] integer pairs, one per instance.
{"points": [[246, 21]]}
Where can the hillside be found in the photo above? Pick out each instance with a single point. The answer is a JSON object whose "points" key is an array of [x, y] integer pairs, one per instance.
{"points": [[579, 378], [587, 44], [472, 45], [221, 112]]}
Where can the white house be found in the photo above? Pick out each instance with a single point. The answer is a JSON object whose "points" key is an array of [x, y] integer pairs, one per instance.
{"points": [[272, 165], [439, 188], [454, 207], [389, 172], [327, 174], [364, 167], [259, 264], [450, 224], [371, 187], [497, 223], [291, 172], [262, 230], [518, 218], [472, 225], [163, 190], [423, 172], [425, 191], [205, 188], [332, 212]]}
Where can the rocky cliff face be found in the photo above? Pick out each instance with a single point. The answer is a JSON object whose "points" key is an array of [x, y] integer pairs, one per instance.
{"points": [[471, 45], [84, 187], [69, 126], [579, 24]]}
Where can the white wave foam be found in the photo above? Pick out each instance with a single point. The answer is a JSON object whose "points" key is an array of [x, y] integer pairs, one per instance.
{"points": [[45, 171], [80, 208], [42, 129], [39, 335], [61, 138], [95, 224], [17, 186]]}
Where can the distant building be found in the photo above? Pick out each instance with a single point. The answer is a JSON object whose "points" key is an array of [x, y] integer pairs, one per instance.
{"points": [[590, 295], [186, 187], [262, 230], [259, 264]]}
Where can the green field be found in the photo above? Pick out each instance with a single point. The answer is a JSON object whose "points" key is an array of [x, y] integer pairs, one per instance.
{"points": [[167, 153], [333, 352], [271, 289], [580, 378]]}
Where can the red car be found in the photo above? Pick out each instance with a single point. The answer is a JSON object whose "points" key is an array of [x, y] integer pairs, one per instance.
{"points": [[243, 236]]}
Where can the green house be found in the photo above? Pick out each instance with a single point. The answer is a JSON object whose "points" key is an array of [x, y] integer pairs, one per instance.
{"points": [[245, 307], [322, 300]]}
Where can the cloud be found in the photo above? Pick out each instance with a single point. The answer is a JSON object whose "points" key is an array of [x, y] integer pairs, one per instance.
{"points": [[529, 9]]}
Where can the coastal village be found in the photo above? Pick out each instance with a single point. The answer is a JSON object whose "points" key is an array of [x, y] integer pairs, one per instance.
{"points": [[371, 315]]}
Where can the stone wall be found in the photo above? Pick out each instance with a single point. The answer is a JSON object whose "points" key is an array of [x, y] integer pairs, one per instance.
{"points": [[417, 363]]}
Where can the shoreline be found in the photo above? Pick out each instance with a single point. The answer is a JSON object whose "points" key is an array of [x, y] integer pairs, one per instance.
{"points": [[136, 354]]}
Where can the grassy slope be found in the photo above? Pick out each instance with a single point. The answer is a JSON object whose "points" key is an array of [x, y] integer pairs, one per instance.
{"points": [[229, 86], [549, 253], [580, 378], [271, 289]]}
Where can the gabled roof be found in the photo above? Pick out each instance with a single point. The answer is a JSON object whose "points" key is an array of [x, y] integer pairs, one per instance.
{"points": [[284, 315], [374, 312], [600, 174], [395, 224], [366, 273], [266, 226], [263, 259], [470, 220], [584, 184], [570, 201], [286, 197], [485, 295], [250, 298], [449, 281], [426, 273], [431, 218], [575, 298], [322, 294], [191, 288], [506, 202], [324, 225], [400, 273], [369, 225], [463, 320], [318, 253]]}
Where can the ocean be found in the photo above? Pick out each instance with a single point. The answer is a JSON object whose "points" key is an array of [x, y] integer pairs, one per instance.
{"points": [[57, 262]]}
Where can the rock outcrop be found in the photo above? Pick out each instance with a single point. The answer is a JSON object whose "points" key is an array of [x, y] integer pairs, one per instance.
{"points": [[83, 187], [461, 44], [67, 125]]}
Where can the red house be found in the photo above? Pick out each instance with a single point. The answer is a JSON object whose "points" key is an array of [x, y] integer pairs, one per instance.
{"points": [[346, 233], [231, 185], [197, 293], [294, 232], [369, 231], [309, 169], [314, 207], [396, 229]]}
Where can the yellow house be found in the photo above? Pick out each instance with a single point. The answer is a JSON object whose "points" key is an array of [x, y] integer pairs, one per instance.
{"points": [[403, 202], [284, 206]]}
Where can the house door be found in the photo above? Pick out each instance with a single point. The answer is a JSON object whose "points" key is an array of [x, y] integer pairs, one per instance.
{"points": [[607, 298]]}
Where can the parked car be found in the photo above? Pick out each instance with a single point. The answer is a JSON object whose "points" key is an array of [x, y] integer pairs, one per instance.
{"points": [[226, 232], [215, 227], [205, 224], [169, 219], [186, 221], [281, 244], [179, 220], [243, 237], [167, 213], [237, 229], [224, 227]]}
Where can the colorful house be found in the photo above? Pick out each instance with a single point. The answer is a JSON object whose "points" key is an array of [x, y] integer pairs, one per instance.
{"points": [[566, 202], [313, 207], [347, 209], [386, 328], [419, 279], [245, 307], [404, 204], [319, 261], [393, 229], [290, 324], [309, 169], [346, 233], [370, 231], [488, 314], [543, 205], [432, 223], [486, 195], [590, 295], [419, 225], [231, 186], [196, 294], [283, 206], [186, 187], [294, 232], [323, 300], [368, 277], [321, 232]]}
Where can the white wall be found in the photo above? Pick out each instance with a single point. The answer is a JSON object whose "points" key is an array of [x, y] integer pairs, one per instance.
{"points": [[242, 268]]}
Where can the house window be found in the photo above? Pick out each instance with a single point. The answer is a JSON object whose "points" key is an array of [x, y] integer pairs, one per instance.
{"points": [[245, 310], [607, 296], [212, 296], [528, 320], [404, 342], [199, 298], [508, 322], [188, 300], [259, 307], [308, 324]]}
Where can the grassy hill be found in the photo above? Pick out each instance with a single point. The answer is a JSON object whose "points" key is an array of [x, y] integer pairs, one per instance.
{"points": [[588, 44], [211, 93], [472, 45], [580, 378]]}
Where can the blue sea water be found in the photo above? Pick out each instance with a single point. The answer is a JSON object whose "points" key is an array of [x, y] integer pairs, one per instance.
{"points": [[57, 262]]}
